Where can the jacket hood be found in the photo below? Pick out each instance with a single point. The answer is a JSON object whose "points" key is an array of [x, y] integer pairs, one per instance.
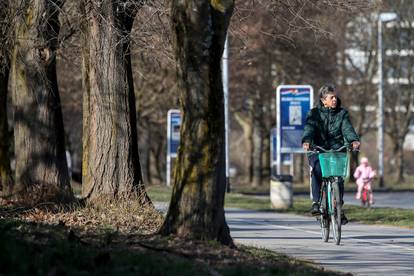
{"points": [[324, 109]]}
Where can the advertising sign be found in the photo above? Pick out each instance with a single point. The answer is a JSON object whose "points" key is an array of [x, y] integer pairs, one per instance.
{"points": [[293, 103], [173, 139], [174, 124]]}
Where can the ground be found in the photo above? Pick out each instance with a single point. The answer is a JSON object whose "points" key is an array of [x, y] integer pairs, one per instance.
{"points": [[120, 238]]}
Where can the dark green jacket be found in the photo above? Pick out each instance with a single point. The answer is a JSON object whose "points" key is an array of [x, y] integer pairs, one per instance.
{"points": [[329, 128]]}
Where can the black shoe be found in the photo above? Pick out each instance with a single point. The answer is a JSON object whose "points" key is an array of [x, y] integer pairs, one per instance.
{"points": [[315, 209], [344, 220]]}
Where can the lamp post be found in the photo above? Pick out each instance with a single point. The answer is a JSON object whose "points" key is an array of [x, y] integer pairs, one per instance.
{"points": [[383, 17], [225, 75]]}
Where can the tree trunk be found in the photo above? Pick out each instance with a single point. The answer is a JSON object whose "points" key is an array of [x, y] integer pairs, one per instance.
{"points": [[146, 151], [197, 204], [257, 153], [111, 167], [41, 169], [159, 159], [266, 155], [399, 153], [6, 180], [247, 127]]}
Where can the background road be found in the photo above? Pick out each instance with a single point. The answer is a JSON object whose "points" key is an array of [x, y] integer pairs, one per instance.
{"points": [[382, 199], [364, 250]]}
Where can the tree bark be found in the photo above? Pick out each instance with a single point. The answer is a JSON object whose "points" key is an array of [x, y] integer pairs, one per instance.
{"points": [[6, 180], [257, 153], [197, 204], [158, 154], [41, 168], [111, 167], [247, 127], [399, 153]]}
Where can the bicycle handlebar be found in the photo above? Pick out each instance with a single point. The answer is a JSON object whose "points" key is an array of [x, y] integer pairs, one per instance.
{"points": [[318, 149]]}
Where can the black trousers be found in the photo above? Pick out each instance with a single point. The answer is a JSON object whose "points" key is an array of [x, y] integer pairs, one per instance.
{"points": [[316, 179]]}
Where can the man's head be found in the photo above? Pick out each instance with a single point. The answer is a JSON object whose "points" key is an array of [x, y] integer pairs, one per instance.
{"points": [[327, 95]]}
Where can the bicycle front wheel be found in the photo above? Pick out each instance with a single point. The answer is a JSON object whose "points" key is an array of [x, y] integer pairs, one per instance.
{"points": [[324, 218], [325, 225], [335, 212]]}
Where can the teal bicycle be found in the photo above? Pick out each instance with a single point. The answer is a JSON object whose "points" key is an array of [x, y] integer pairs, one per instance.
{"points": [[334, 167]]}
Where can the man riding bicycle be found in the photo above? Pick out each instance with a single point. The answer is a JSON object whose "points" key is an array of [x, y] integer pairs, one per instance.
{"points": [[328, 126]]}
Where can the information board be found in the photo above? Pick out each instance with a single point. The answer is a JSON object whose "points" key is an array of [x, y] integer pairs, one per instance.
{"points": [[293, 102]]}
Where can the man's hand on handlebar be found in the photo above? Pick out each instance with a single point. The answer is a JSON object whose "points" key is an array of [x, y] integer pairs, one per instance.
{"points": [[356, 145], [306, 146]]}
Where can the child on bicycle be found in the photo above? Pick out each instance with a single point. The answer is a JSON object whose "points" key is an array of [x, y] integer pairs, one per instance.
{"points": [[328, 126], [364, 175]]}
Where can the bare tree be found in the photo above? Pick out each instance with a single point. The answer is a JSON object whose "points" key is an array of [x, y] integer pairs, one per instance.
{"points": [[399, 75], [111, 165], [41, 168], [197, 204], [357, 68]]}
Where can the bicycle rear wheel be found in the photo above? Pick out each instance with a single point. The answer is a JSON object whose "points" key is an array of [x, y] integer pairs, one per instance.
{"points": [[335, 211]]}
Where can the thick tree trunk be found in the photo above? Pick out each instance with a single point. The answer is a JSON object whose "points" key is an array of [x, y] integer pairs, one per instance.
{"points": [[41, 169], [197, 203], [6, 180], [111, 167]]}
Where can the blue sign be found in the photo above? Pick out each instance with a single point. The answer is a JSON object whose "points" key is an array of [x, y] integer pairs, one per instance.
{"points": [[293, 104], [174, 124]]}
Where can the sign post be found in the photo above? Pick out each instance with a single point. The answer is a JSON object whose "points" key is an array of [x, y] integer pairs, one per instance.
{"points": [[286, 158], [293, 102], [173, 139]]}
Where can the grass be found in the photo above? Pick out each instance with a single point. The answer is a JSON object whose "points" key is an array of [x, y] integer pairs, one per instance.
{"points": [[301, 206]]}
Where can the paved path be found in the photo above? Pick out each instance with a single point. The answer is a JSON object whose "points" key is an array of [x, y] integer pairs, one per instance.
{"points": [[364, 250], [383, 199]]}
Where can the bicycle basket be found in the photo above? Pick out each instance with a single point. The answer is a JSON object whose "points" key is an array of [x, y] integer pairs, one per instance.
{"points": [[334, 164]]}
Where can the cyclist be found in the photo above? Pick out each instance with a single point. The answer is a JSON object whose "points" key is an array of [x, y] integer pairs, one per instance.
{"points": [[364, 175], [328, 126]]}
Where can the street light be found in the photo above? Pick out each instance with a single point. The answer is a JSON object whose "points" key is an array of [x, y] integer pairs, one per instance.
{"points": [[383, 17], [225, 76]]}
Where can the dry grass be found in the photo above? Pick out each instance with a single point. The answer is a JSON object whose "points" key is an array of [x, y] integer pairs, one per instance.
{"points": [[124, 216]]}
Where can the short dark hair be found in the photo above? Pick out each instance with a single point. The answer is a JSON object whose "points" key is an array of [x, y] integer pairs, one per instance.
{"points": [[326, 89]]}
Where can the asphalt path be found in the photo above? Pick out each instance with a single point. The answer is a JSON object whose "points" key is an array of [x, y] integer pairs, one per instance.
{"points": [[364, 250], [386, 199], [403, 200]]}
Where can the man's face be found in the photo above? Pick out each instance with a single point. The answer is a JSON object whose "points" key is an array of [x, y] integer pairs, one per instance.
{"points": [[330, 100]]}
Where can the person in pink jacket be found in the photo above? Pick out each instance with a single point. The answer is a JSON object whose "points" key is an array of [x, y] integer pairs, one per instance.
{"points": [[364, 175]]}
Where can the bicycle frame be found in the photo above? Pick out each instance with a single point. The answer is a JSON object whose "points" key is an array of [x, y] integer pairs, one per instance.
{"points": [[330, 200]]}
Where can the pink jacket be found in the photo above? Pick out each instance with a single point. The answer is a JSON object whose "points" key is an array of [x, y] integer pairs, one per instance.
{"points": [[364, 172]]}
